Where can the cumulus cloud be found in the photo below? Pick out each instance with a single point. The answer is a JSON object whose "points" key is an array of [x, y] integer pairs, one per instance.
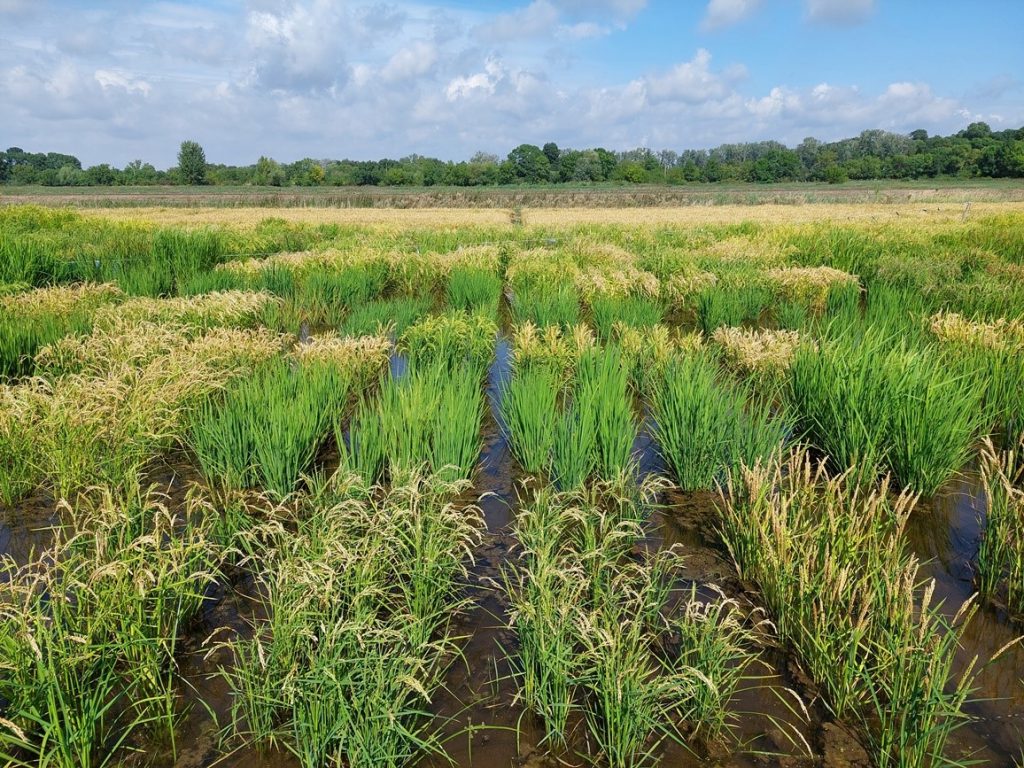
{"points": [[724, 13], [840, 11], [692, 81], [299, 47], [296, 78], [538, 18]]}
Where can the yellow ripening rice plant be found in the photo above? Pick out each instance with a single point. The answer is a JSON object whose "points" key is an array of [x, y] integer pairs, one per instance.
{"points": [[617, 281], [1001, 334], [60, 300], [757, 351], [682, 288], [550, 346], [535, 266], [754, 250], [295, 262], [100, 424], [364, 356], [808, 285], [209, 309], [646, 351]]}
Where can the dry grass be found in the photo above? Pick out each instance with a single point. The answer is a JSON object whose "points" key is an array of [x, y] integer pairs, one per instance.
{"points": [[909, 214]]}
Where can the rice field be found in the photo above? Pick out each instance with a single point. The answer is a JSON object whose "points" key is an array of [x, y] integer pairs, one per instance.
{"points": [[305, 491]]}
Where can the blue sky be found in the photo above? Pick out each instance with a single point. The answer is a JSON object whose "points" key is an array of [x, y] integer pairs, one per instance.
{"points": [[126, 79]]}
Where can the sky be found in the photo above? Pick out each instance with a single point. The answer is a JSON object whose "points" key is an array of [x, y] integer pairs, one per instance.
{"points": [[125, 79]]}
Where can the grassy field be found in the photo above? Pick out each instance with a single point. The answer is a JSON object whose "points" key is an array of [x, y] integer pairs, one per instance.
{"points": [[561, 196], [689, 484]]}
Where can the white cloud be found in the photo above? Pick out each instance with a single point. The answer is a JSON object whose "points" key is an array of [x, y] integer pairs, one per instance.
{"points": [[414, 60], [724, 13], [536, 19], [108, 78], [297, 78], [840, 11], [299, 47], [480, 82], [692, 81]]}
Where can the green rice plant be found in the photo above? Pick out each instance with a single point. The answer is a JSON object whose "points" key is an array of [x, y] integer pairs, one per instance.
{"points": [[556, 303], [896, 311], [391, 315], [358, 593], [453, 339], [871, 404], [574, 453], [429, 417], [996, 371], [936, 417], [269, 426], [326, 294], [999, 564], [880, 649], [603, 384], [89, 647], [529, 412], [705, 428], [212, 281], [727, 304], [474, 289], [632, 311], [792, 315]]}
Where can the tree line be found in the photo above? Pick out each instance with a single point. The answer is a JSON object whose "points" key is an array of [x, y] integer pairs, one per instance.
{"points": [[976, 151]]}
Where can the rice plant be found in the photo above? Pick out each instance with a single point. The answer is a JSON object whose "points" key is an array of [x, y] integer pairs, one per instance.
{"points": [[603, 385], [999, 563], [326, 294], [268, 428], [33, 319], [474, 289], [632, 311], [90, 646], [452, 339], [725, 304], [574, 452], [355, 641], [598, 638], [881, 649], [706, 428], [125, 398], [556, 303], [391, 315], [430, 417], [874, 404], [529, 412]]}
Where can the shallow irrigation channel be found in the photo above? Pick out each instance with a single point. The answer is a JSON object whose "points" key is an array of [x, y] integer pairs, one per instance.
{"points": [[779, 719]]}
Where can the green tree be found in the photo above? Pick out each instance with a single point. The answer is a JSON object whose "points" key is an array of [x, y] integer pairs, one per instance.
{"points": [[269, 173], [192, 163], [528, 163]]}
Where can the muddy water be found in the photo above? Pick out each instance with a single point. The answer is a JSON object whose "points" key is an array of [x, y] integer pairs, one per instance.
{"points": [[944, 532], [477, 716]]}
